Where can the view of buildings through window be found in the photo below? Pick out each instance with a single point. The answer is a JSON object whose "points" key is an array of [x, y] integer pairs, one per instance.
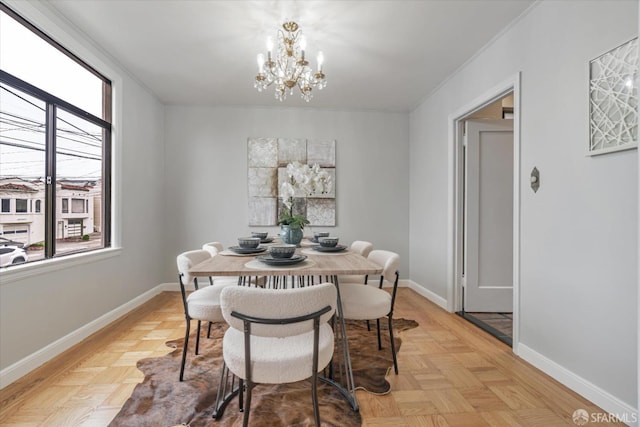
{"points": [[54, 148]]}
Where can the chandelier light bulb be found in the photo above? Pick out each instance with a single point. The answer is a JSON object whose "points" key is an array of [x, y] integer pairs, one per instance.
{"points": [[260, 60], [320, 60], [303, 43], [269, 44]]}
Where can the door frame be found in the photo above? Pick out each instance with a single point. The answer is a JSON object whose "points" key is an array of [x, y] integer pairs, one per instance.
{"points": [[455, 196]]}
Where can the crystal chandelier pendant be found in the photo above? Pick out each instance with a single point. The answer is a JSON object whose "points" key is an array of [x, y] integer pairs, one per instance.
{"points": [[286, 67]]}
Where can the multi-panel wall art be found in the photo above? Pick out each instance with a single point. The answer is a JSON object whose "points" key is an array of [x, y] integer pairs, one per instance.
{"points": [[613, 99], [267, 162]]}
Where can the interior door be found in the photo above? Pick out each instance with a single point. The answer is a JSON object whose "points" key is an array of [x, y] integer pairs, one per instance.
{"points": [[488, 219]]}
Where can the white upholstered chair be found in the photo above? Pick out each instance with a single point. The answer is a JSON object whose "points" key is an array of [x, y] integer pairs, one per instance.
{"points": [[214, 248], [203, 304], [363, 248], [277, 336], [370, 301]]}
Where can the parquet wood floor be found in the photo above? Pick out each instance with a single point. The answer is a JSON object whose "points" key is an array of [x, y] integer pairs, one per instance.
{"points": [[451, 374]]}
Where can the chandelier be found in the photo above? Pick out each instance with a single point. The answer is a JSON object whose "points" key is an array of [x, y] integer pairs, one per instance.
{"points": [[287, 67]]}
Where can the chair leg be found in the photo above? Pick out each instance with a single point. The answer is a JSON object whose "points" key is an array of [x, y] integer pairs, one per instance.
{"points": [[184, 349], [245, 419], [314, 398], [368, 326], [393, 346], [379, 340], [209, 330], [241, 395], [198, 338]]}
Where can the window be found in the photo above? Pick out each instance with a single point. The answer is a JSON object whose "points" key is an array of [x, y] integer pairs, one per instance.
{"points": [[55, 139], [77, 206], [21, 205]]}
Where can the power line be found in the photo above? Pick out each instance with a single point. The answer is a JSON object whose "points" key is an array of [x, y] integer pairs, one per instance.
{"points": [[15, 144], [42, 109]]}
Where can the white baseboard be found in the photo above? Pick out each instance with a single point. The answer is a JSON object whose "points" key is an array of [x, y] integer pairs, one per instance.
{"points": [[595, 394], [22, 367], [431, 296]]}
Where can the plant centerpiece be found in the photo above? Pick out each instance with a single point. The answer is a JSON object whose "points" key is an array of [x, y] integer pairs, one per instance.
{"points": [[302, 181]]}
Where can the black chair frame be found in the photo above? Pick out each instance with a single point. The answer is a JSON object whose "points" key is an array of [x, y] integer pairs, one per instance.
{"points": [[390, 318], [188, 319]]}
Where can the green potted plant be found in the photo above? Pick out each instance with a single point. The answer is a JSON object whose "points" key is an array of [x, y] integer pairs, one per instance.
{"points": [[291, 227]]}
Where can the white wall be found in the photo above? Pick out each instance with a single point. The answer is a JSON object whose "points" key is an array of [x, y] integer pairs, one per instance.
{"points": [[579, 232], [37, 311], [206, 173]]}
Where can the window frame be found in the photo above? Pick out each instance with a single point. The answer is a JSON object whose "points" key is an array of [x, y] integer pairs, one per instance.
{"points": [[26, 205], [54, 103]]}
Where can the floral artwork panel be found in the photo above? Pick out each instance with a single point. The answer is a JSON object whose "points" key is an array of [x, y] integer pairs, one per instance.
{"points": [[291, 150], [263, 211], [330, 193], [613, 99], [322, 152], [262, 152], [262, 182], [299, 206], [321, 212], [282, 177]]}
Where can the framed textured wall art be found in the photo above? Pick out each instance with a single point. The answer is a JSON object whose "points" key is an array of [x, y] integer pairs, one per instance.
{"points": [[267, 160], [613, 100]]}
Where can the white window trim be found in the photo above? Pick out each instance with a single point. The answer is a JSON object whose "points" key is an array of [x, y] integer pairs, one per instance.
{"points": [[23, 271]]}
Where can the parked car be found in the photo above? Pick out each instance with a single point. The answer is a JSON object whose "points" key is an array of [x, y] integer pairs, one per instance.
{"points": [[10, 255], [8, 242]]}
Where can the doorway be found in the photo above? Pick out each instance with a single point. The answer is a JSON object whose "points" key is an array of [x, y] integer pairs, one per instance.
{"points": [[484, 162]]}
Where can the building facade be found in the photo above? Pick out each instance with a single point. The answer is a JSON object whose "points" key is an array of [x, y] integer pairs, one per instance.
{"points": [[22, 209]]}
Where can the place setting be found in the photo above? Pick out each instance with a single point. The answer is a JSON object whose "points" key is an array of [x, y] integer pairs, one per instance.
{"points": [[263, 236], [280, 255], [247, 246], [325, 245]]}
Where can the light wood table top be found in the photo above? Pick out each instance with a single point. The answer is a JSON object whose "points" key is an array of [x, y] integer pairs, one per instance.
{"points": [[334, 265]]}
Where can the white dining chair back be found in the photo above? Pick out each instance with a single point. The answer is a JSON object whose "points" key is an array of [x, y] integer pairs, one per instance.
{"points": [[361, 247], [278, 336], [188, 259], [389, 261], [214, 248]]}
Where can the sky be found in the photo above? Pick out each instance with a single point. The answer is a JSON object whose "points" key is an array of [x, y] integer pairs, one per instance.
{"points": [[22, 137]]}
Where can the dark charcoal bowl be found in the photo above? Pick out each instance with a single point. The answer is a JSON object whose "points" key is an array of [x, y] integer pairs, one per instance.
{"points": [[282, 251], [248, 242], [260, 234], [321, 234], [328, 242]]}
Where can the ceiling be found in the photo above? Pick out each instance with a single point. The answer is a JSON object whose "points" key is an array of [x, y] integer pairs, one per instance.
{"points": [[379, 55]]}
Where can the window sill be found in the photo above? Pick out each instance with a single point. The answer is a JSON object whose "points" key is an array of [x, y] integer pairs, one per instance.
{"points": [[23, 271]]}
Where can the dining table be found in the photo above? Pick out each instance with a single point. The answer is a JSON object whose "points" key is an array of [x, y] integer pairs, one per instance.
{"points": [[318, 267]]}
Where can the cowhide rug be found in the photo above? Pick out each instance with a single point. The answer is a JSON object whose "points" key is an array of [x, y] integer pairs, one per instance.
{"points": [[162, 401]]}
